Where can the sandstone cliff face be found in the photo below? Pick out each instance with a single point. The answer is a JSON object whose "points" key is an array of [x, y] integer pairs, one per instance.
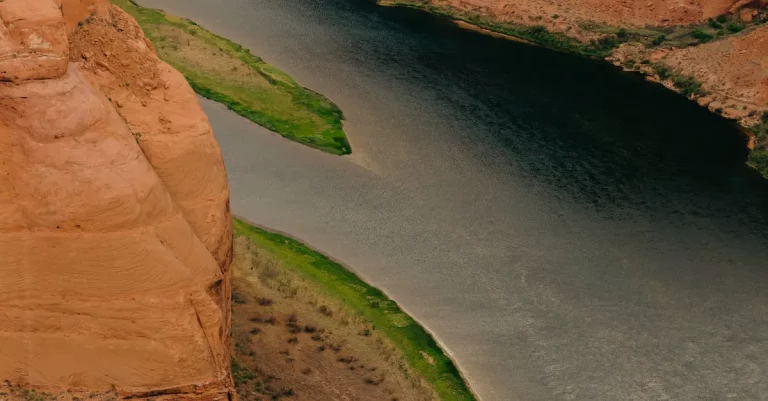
{"points": [[115, 230]]}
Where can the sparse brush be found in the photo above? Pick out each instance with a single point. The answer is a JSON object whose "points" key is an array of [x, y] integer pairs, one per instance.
{"points": [[264, 301], [325, 310], [346, 359]]}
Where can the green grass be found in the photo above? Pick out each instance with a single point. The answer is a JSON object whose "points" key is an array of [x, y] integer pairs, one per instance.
{"points": [[758, 157], [224, 71], [687, 85], [537, 34], [613, 36], [370, 304]]}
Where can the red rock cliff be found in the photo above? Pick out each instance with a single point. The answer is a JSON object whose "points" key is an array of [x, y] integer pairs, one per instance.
{"points": [[115, 230]]}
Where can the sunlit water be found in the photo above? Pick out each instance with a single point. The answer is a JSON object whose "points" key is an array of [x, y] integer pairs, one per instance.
{"points": [[567, 231]]}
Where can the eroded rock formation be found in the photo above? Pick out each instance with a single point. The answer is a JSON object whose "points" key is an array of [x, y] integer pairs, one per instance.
{"points": [[115, 230]]}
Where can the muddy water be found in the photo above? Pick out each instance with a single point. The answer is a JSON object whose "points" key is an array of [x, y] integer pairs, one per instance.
{"points": [[567, 232]]}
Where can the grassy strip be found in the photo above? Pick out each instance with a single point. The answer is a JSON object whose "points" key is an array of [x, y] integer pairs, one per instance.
{"points": [[650, 36], [758, 157], [687, 85], [224, 71], [370, 304], [679, 36], [537, 34]]}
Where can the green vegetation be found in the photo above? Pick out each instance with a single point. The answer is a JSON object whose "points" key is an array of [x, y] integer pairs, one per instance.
{"points": [[224, 71], [419, 348], [688, 85], [758, 157], [735, 27], [702, 36], [685, 84], [657, 41], [651, 36], [662, 70], [612, 36], [536, 34]]}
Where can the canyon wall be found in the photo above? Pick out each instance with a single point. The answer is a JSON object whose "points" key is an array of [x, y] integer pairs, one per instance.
{"points": [[115, 229]]}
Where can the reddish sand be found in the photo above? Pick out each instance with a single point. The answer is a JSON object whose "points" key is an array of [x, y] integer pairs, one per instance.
{"points": [[115, 230]]}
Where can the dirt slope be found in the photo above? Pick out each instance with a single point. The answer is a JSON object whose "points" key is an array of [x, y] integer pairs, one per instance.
{"points": [[115, 230]]}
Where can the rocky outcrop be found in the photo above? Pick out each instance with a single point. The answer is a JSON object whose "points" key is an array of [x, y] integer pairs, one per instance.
{"points": [[115, 230]]}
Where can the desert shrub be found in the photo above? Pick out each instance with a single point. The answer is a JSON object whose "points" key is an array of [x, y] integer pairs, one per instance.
{"points": [[662, 70], [701, 36], [688, 85], [734, 27]]}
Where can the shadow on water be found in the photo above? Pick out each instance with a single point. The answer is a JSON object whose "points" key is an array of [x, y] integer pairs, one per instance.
{"points": [[590, 131]]}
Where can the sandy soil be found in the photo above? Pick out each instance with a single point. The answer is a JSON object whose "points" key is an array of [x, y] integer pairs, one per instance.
{"points": [[290, 340]]}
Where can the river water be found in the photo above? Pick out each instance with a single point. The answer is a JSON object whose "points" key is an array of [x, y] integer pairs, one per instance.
{"points": [[567, 231]]}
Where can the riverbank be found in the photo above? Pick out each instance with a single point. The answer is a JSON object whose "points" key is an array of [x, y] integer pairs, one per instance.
{"points": [[224, 71], [337, 297], [715, 62]]}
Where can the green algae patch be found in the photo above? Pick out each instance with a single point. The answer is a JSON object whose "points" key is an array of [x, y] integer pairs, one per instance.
{"points": [[225, 72], [423, 354]]}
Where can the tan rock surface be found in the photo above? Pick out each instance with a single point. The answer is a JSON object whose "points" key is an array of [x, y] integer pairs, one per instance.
{"points": [[115, 231]]}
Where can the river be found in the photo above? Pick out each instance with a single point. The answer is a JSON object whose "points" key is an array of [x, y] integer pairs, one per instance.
{"points": [[567, 231]]}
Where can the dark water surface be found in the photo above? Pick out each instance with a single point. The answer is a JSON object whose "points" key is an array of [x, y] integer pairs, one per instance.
{"points": [[567, 231]]}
